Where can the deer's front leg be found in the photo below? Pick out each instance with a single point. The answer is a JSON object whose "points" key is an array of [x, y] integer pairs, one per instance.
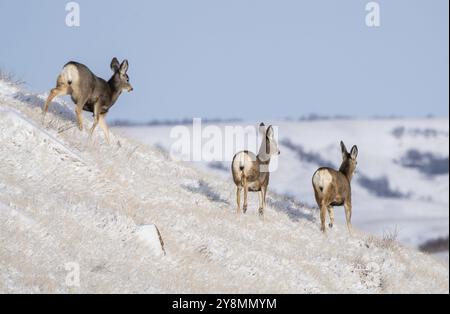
{"points": [[104, 127], [264, 190], [96, 118], [261, 203], [348, 216]]}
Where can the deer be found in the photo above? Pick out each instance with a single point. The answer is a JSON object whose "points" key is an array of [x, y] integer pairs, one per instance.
{"points": [[333, 188], [91, 93], [251, 172]]}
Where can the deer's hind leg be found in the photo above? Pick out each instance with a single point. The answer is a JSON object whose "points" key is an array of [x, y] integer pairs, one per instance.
{"points": [[60, 90], [238, 198], [323, 217], [79, 114], [80, 103], [331, 214]]}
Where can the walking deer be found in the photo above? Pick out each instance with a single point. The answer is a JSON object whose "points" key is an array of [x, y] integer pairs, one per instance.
{"points": [[332, 188], [91, 93], [251, 172]]}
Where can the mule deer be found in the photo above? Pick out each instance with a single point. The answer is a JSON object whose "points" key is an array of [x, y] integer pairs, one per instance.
{"points": [[332, 188], [251, 172], [91, 93]]}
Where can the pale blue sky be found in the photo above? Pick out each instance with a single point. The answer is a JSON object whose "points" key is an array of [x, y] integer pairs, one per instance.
{"points": [[251, 59]]}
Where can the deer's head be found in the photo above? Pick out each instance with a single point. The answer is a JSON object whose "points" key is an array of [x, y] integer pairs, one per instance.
{"points": [[349, 161], [120, 79], [269, 145]]}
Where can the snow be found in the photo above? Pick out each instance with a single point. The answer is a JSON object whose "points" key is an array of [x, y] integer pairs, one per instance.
{"points": [[65, 200], [7, 90]]}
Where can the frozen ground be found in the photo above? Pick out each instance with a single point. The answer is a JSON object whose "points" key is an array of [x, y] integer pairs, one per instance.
{"points": [[63, 200]]}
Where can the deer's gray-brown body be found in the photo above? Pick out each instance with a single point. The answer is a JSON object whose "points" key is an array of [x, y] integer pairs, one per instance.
{"points": [[89, 92], [333, 188], [251, 172], [246, 165]]}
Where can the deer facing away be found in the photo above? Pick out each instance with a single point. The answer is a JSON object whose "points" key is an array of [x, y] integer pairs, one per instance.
{"points": [[251, 172], [332, 188], [91, 93]]}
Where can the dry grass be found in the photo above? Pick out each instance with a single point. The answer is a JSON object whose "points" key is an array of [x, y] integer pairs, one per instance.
{"points": [[10, 78], [387, 242]]}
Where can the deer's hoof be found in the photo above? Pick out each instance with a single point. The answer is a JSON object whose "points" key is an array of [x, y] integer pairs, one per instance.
{"points": [[330, 225]]}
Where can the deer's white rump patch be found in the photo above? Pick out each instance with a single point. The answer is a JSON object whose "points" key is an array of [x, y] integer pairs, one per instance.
{"points": [[70, 74], [322, 179]]}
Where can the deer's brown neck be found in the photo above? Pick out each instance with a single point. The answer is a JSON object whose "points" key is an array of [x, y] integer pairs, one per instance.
{"points": [[263, 157], [346, 170], [115, 90], [264, 160]]}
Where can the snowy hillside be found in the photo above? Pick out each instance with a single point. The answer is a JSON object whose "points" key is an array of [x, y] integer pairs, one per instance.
{"points": [[402, 181], [63, 200]]}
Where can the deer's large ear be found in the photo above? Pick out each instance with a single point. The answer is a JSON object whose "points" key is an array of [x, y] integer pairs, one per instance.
{"points": [[354, 152], [262, 128], [344, 150], [115, 65], [270, 133], [124, 67]]}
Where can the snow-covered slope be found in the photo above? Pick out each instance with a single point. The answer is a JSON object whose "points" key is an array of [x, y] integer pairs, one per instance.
{"points": [[65, 201], [402, 181]]}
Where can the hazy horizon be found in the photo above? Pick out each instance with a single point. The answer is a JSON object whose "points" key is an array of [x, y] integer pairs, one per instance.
{"points": [[118, 122]]}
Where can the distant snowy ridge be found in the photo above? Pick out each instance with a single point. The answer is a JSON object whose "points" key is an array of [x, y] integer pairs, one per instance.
{"points": [[66, 201]]}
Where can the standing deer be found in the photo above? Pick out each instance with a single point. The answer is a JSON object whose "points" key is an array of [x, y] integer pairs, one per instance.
{"points": [[91, 93], [251, 173], [332, 188]]}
